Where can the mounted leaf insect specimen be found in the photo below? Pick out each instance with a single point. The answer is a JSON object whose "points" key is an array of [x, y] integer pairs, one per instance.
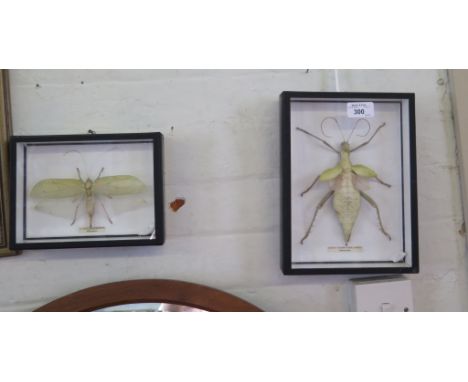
{"points": [[348, 183], [345, 192], [87, 190]]}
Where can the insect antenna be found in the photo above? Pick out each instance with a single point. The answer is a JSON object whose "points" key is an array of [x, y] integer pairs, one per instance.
{"points": [[354, 128], [337, 124], [320, 139], [81, 159]]}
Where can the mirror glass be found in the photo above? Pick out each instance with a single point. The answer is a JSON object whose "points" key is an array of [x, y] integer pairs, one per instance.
{"points": [[150, 307]]}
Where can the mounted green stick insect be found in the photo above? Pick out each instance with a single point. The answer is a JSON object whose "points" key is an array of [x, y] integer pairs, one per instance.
{"points": [[346, 196], [88, 191]]}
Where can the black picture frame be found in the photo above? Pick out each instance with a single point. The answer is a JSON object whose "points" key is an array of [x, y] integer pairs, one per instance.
{"points": [[147, 147], [299, 106]]}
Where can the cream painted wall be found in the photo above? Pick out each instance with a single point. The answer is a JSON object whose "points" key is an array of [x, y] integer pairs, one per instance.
{"points": [[222, 144]]}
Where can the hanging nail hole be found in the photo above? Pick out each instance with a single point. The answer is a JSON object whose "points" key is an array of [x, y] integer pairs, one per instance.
{"points": [[82, 82], [38, 86]]}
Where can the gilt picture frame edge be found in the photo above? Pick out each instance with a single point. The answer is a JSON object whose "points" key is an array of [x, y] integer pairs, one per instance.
{"points": [[5, 132]]}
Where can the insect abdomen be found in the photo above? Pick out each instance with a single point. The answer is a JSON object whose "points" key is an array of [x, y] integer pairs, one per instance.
{"points": [[346, 203]]}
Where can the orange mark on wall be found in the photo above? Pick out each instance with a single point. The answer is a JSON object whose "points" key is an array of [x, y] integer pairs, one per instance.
{"points": [[176, 204]]}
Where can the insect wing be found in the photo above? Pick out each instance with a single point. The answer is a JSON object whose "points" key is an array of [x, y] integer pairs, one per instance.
{"points": [[63, 208], [57, 188], [118, 185], [122, 204], [331, 173], [360, 183], [361, 170], [121, 191]]}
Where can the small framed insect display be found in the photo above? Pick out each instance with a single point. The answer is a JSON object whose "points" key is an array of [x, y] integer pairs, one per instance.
{"points": [[86, 190], [348, 178]]}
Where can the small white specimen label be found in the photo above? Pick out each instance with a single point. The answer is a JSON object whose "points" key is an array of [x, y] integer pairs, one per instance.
{"points": [[357, 248], [360, 109]]}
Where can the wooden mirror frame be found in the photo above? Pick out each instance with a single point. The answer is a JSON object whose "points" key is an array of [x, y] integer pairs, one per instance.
{"points": [[148, 291]]}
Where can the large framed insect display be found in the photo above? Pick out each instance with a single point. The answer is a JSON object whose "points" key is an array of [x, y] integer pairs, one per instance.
{"points": [[87, 190], [348, 182]]}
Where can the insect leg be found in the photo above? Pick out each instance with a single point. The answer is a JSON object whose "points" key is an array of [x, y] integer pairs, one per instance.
{"points": [[374, 204], [104, 208], [320, 205], [312, 185], [320, 139], [366, 172], [382, 182], [370, 139], [76, 211], [99, 175], [79, 174]]}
